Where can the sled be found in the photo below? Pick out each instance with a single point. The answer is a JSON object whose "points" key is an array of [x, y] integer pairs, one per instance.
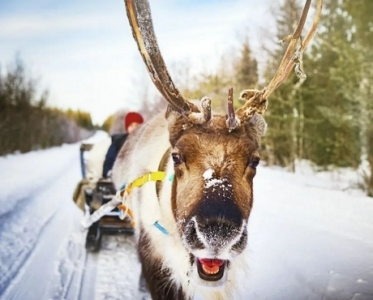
{"points": [[97, 194]]}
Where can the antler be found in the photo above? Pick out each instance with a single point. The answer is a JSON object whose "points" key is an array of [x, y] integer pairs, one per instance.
{"points": [[232, 121], [256, 101], [138, 12], [298, 53]]}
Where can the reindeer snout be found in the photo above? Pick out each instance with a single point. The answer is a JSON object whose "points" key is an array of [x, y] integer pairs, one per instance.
{"points": [[215, 236], [216, 225]]}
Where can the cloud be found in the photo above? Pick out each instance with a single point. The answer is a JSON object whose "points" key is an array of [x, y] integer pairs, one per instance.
{"points": [[21, 26], [88, 59]]}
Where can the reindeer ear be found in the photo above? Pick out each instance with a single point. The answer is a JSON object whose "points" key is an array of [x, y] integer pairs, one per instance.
{"points": [[177, 123], [259, 124]]}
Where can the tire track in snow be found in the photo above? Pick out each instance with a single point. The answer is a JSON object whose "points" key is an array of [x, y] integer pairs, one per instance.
{"points": [[118, 269], [17, 243], [67, 282], [32, 234]]}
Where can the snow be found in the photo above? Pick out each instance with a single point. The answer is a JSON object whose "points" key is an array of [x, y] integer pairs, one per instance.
{"points": [[314, 240], [207, 175], [209, 181], [310, 235]]}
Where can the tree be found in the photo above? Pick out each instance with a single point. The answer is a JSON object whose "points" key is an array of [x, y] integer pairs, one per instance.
{"points": [[213, 84], [239, 70], [362, 31], [26, 122], [282, 144], [331, 106], [246, 68]]}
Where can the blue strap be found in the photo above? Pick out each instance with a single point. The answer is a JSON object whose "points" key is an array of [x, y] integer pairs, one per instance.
{"points": [[122, 187], [156, 224], [161, 228]]}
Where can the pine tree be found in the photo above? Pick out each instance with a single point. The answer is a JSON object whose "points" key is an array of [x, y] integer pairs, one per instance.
{"points": [[26, 122], [238, 70], [285, 111], [362, 30], [331, 108], [246, 68]]}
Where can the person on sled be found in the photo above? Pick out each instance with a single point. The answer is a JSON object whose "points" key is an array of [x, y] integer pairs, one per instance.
{"points": [[102, 157], [131, 122]]}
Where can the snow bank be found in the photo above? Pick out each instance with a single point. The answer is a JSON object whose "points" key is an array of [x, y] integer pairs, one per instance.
{"points": [[21, 175]]}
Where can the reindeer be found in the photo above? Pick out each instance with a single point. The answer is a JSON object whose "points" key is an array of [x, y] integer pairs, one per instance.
{"points": [[194, 175]]}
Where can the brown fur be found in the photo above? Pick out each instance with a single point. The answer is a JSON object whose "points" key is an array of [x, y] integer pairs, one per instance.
{"points": [[220, 210], [158, 279], [205, 145]]}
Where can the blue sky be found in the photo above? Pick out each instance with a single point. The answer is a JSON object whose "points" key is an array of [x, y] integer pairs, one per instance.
{"points": [[84, 54]]}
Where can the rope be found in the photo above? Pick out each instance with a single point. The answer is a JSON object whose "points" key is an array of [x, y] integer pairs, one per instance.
{"points": [[119, 199]]}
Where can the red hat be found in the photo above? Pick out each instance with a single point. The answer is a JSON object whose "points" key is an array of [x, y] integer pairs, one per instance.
{"points": [[132, 117]]}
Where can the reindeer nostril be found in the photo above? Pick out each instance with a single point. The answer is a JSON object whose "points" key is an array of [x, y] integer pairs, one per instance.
{"points": [[241, 244], [215, 235], [218, 230], [191, 236]]}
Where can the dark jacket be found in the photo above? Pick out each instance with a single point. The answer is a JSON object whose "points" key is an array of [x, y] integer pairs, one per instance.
{"points": [[117, 141]]}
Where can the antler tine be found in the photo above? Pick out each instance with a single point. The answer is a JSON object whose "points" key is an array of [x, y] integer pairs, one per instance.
{"points": [[139, 16], [280, 74], [205, 114], [232, 121], [304, 43], [256, 101]]}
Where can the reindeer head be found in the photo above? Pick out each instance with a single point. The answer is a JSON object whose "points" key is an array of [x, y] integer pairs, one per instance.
{"points": [[215, 156]]}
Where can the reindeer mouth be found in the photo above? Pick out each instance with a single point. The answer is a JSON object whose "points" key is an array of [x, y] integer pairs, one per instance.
{"points": [[211, 269]]}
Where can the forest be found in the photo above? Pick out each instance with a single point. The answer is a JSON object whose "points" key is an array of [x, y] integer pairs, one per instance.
{"points": [[325, 118], [27, 122]]}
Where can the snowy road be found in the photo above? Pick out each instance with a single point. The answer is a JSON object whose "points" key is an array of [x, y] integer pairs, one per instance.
{"points": [[307, 239], [35, 232]]}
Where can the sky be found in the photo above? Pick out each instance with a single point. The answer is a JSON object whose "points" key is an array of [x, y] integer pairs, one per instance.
{"points": [[84, 53]]}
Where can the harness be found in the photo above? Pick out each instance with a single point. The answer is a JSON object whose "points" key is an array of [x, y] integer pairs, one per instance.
{"points": [[125, 191], [158, 177], [123, 195]]}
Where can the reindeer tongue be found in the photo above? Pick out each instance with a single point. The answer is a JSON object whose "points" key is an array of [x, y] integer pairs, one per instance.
{"points": [[211, 266]]}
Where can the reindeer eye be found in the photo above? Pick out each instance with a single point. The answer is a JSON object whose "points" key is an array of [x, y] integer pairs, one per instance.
{"points": [[176, 158], [254, 162]]}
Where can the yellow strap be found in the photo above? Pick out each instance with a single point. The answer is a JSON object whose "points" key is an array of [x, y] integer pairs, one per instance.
{"points": [[152, 176]]}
